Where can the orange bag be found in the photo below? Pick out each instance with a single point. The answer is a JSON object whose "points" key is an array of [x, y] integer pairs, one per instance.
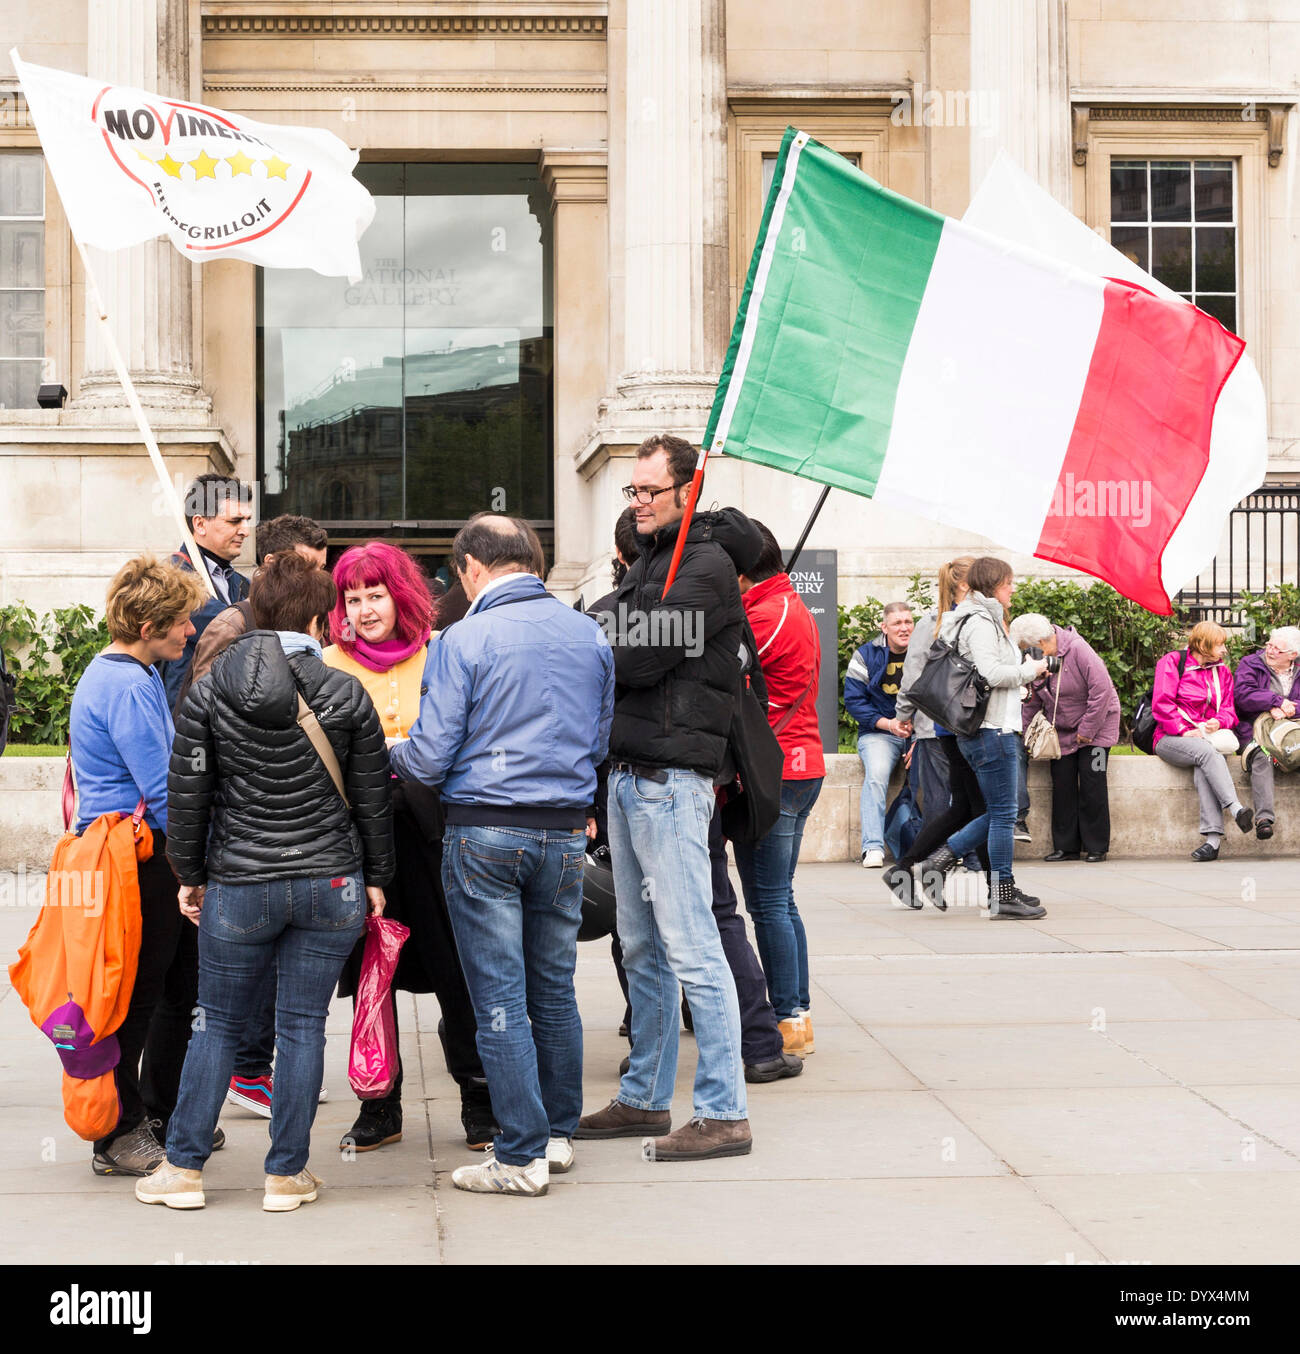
{"points": [[76, 970]]}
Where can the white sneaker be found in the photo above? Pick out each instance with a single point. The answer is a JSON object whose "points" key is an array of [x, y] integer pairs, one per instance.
{"points": [[284, 1193], [559, 1155], [173, 1186], [873, 860], [495, 1177]]}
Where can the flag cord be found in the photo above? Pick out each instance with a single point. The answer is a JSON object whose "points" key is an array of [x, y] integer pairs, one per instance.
{"points": [[146, 432]]}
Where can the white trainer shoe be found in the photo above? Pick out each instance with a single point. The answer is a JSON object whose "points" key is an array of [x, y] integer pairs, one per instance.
{"points": [[559, 1155], [495, 1177], [174, 1186], [285, 1192], [873, 860]]}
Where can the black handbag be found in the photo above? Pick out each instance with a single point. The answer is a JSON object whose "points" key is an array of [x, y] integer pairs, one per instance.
{"points": [[1144, 717], [950, 689], [753, 800]]}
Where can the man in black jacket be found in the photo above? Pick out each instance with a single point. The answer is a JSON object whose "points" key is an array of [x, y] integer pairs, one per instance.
{"points": [[677, 675]]}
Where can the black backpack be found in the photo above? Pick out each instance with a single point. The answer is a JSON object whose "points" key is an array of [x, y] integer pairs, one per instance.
{"points": [[753, 799], [1144, 717], [950, 689], [8, 700]]}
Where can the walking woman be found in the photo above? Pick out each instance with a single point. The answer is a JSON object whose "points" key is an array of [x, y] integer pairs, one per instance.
{"points": [[121, 743], [279, 840], [950, 791], [1195, 726], [381, 626], [978, 626], [1082, 704]]}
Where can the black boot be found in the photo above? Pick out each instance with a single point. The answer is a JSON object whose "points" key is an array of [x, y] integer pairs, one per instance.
{"points": [[378, 1124], [935, 869], [898, 880], [1007, 903], [476, 1116]]}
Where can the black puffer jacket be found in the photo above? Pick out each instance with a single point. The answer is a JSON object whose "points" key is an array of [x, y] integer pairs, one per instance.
{"points": [[249, 799], [673, 708]]}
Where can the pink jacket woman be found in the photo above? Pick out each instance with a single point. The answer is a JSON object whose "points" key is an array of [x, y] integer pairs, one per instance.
{"points": [[1204, 692]]}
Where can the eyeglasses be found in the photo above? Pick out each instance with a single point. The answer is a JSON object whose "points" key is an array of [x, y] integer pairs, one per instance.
{"points": [[635, 495]]}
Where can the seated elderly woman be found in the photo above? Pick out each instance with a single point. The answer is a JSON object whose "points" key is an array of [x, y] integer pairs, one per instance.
{"points": [[1080, 700], [1266, 683], [1196, 726]]}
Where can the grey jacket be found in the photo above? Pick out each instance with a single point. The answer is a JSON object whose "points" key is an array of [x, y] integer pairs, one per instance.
{"points": [[918, 650], [989, 647]]}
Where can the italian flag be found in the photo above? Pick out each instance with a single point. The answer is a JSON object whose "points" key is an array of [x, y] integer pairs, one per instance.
{"points": [[883, 348]]}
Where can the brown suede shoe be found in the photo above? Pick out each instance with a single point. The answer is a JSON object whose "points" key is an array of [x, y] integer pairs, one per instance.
{"points": [[618, 1120], [701, 1139]]}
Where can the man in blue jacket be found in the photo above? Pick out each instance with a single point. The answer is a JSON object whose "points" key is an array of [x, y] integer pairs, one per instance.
{"points": [[520, 696], [870, 696]]}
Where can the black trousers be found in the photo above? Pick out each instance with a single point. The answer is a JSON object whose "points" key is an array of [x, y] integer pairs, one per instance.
{"points": [[160, 937], [1080, 801], [965, 805], [760, 1036], [171, 1026]]}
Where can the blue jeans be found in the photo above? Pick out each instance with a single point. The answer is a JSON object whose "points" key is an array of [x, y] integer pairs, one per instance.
{"points": [[659, 850], [305, 929], [767, 877], [880, 753], [995, 759], [515, 899]]}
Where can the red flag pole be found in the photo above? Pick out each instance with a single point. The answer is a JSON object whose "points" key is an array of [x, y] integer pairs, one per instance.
{"points": [[696, 480]]}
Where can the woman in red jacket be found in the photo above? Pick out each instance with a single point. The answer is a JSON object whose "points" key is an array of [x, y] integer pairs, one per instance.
{"points": [[789, 653]]}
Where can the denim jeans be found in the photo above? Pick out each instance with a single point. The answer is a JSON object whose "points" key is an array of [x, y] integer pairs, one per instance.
{"points": [[515, 899], [767, 876], [305, 928], [659, 849], [880, 753], [995, 758]]}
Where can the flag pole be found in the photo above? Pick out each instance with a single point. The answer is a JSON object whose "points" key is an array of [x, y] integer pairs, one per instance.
{"points": [[808, 526], [146, 432], [696, 481]]}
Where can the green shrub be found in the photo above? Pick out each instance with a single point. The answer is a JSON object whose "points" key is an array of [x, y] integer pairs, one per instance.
{"points": [[1258, 613], [47, 656]]}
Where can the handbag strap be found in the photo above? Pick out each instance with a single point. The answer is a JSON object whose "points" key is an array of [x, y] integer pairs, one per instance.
{"points": [[1060, 681], [310, 725], [68, 798], [779, 726]]}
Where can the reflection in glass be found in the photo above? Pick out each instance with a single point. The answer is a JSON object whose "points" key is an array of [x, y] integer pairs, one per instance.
{"points": [[1171, 190], [1216, 259], [1131, 241], [1213, 190], [1128, 190], [1171, 256], [1223, 308]]}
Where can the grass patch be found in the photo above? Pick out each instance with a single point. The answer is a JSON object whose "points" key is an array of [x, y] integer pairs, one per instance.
{"points": [[34, 750]]}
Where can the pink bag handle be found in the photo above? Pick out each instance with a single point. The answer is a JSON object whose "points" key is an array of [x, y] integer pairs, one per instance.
{"points": [[68, 800]]}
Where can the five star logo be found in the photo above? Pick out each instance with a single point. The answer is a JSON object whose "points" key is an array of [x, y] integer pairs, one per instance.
{"points": [[240, 164], [170, 166], [204, 166], [275, 167]]}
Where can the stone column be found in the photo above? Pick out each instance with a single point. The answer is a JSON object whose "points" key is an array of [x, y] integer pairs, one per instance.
{"points": [[148, 289], [676, 315], [1020, 80]]}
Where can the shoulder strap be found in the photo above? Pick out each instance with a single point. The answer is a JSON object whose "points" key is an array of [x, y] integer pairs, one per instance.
{"points": [[779, 726], [68, 798], [310, 725]]}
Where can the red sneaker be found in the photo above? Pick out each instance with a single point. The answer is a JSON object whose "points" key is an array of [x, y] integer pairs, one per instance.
{"points": [[252, 1093]]}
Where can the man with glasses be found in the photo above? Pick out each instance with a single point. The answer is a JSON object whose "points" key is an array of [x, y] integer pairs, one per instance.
{"points": [[1266, 683], [677, 674]]}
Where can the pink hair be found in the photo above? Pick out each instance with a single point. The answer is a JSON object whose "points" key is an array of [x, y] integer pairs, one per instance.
{"points": [[377, 562]]}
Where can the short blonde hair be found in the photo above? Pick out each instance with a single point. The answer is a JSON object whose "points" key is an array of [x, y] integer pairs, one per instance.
{"points": [[1205, 637], [146, 591]]}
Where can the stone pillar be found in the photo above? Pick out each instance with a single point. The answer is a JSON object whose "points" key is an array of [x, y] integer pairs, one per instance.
{"points": [[577, 183], [1020, 79], [676, 313], [147, 289]]}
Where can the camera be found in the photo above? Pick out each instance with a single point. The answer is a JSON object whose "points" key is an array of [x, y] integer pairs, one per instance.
{"points": [[1053, 662]]}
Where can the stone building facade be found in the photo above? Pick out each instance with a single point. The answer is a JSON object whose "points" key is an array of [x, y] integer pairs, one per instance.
{"points": [[569, 192]]}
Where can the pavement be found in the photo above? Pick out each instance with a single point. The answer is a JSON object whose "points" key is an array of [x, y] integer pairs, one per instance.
{"points": [[1118, 1083]]}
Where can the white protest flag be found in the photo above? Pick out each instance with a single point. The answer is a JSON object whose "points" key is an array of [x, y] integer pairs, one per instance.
{"points": [[130, 165]]}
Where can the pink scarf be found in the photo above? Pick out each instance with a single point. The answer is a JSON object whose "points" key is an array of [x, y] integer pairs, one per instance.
{"points": [[387, 653]]}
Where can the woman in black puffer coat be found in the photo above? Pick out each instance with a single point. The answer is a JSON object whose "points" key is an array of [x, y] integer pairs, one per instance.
{"points": [[287, 866]]}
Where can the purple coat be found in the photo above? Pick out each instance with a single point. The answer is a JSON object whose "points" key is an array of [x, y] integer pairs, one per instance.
{"points": [[1254, 694], [1089, 703]]}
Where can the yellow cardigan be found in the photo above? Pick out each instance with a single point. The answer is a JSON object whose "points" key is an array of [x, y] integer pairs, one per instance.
{"points": [[396, 693]]}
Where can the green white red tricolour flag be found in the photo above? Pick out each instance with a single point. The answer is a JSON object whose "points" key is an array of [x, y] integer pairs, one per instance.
{"points": [[886, 349]]}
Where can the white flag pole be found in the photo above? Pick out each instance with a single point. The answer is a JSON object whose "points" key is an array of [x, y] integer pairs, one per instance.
{"points": [[146, 432]]}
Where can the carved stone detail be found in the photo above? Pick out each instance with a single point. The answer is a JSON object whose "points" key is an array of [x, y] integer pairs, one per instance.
{"points": [[403, 25]]}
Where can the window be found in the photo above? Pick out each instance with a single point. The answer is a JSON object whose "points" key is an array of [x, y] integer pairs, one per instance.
{"points": [[22, 277], [1177, 219]]}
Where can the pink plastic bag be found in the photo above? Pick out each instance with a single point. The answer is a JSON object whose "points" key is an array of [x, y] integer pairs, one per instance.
{"points": [[372, 1058]]}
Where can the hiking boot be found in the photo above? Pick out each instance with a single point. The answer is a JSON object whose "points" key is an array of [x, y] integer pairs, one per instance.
{"points": [[783, 1065], [476, 1118], [559, 1155], [618, 1120], [700, 1140], [378, 1124], [935, 869], [160, 1133], [171, 1185], [496, 1177], [794, 1035], [1008, 903], [285, 1192], [898, 880], [252, 1093], [135, 1153]]}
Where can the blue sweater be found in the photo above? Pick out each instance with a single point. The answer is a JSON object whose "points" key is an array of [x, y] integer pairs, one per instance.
{"points": [[121, 740]]}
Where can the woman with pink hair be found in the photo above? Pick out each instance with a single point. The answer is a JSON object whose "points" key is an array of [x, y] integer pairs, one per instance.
{"points": [[382, 627]]}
